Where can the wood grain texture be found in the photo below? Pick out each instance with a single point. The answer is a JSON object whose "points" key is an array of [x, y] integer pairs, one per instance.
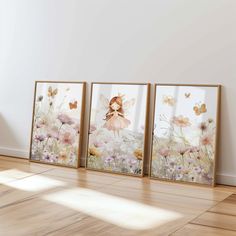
{"points": [[227, 207], [222, 215], [197, 230], [214, 194], [38, 199], [216, 220]]}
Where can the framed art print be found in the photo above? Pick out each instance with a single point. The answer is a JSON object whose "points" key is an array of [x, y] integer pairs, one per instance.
{"points": [[185, 132], [57, 123], [117, 129]]}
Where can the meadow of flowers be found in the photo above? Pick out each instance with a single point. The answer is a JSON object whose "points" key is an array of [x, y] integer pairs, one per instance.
{"points": [[175, 158], [56, 127], [184, 134], [122, 154]]}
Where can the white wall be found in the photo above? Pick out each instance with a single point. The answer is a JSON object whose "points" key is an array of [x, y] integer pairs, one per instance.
{"points": [[174, 41]]}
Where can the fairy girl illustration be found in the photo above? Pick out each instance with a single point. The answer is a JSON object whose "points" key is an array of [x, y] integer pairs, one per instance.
{"points": [[115, 116]]}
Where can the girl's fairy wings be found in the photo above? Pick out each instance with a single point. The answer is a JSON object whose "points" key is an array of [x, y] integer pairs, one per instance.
{"points": [[104, 102], [128, 104]]}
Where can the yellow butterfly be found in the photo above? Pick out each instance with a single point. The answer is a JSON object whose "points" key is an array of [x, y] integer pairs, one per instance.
{"points": [[52, 93], [73, 105], [199, 109], [169, 100]]}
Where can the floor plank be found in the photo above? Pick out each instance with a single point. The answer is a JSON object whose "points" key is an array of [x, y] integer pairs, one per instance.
{"points": [[183, 204], [35, 217], [228, 206], [226, 188], [22, 166], [217, 221], [177, 189], [198, 230], [92, 226], [37, 185], [84, 175]]}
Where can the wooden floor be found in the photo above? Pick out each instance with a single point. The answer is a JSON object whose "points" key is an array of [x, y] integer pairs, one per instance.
{"points": [[38, 199]]}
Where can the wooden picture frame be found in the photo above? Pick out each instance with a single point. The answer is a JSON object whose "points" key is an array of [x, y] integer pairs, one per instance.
{"points": [[166, 102], [111, 129], [56, 135]]}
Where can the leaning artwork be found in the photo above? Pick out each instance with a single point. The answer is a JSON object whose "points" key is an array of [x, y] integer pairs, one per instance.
{"points": [[57, 123], [117, 128], [185, 130]]}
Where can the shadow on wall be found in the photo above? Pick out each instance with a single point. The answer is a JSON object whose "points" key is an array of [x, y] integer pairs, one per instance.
{"points": [[226, 151], [8, 140]]}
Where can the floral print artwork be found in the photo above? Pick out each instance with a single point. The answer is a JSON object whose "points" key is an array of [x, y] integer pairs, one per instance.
{"points": [[184, 133], [56, 123], [117, 127]]}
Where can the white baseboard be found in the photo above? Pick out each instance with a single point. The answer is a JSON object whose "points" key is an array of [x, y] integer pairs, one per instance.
{"points": [[220, 177], [14, 152], [226, 179]]}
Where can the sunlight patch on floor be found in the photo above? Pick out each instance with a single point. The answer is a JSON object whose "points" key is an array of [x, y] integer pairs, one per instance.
{"points": [[115, 210], [11, 175], [32, 183]]}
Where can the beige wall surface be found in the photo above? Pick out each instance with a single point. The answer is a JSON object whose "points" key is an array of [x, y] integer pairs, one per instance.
{"points": [[164, 41]]}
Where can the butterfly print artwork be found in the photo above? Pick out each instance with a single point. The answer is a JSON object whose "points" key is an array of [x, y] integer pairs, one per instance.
{"points": [[184, 135], [56, 135]]}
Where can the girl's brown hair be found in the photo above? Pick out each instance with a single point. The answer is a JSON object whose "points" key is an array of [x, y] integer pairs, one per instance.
{"points": [[118, 100]]}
